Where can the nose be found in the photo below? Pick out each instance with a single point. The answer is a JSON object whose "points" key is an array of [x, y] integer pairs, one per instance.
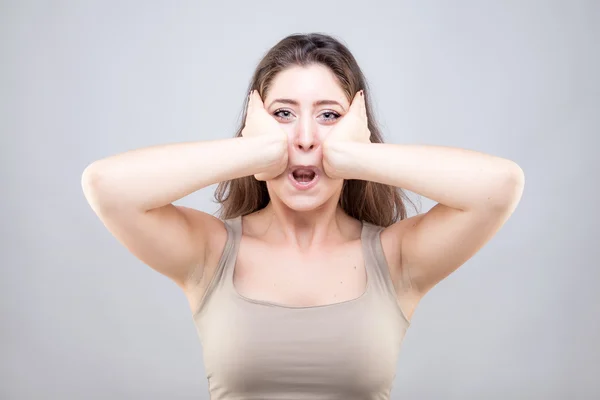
{"points": [[306, 138]]}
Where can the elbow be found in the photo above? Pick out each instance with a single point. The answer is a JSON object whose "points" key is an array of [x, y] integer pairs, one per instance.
{"points": [[509, 188], [502, 190], [516, 183], [89, 180], [94, 184]]}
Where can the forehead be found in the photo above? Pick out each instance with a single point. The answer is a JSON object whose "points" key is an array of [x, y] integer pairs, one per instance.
{"points": [[308, 82]]}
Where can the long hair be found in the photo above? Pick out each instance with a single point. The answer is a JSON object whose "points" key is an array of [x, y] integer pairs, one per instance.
{"points": [[372, 202]]}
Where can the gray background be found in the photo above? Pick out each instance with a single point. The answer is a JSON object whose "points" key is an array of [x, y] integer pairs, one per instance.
{"points": [[82, 318]]}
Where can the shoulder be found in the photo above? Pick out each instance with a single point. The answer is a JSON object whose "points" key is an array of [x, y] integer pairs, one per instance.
{"points": [[213, 227], [391, 236], [215, 239], [212, 233], [215, 245], [391, 242]]}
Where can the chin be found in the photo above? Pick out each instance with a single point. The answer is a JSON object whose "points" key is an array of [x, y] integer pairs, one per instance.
{"points": [[302, 204]]}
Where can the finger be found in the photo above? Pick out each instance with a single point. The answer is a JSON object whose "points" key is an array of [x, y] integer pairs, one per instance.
{"points": [[355, 105], [363, 104], [257, 100], [249, 107]]}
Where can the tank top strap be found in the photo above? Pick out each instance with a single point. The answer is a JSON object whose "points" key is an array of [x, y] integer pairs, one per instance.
{"points": [[234, 237], [224, 270], [376, 262]]}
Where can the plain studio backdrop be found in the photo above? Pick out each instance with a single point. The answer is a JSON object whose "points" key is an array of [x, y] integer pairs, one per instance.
{"points": [[81, 318]]}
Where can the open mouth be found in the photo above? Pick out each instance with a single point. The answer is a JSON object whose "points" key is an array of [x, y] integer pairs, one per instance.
{"points": [[304, 176]]}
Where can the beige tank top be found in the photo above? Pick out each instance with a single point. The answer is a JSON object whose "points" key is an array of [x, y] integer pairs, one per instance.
{"points": [[261, 350]]}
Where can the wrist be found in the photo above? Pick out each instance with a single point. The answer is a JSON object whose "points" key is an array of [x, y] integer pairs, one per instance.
{"points": [[340, 159], [272, 151]]}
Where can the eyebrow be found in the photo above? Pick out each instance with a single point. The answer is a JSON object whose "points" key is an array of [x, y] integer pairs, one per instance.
{"points": [[315, 104]]}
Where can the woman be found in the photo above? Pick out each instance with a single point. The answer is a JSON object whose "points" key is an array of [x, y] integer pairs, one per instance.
{"points": [[305, 285]]}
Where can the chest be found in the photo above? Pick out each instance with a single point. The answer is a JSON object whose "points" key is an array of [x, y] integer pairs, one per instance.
{"points": [[323, 326], [272, 275], [327, 351]]}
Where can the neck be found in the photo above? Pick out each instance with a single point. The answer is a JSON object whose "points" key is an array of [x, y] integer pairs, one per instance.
{"points": [[305, 230]]}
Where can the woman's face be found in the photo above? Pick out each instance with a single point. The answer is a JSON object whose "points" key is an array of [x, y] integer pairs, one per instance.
{"points": [[307, 102]]}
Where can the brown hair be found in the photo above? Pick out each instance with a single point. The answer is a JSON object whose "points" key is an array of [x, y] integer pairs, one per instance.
{"points": [[364, 200]]}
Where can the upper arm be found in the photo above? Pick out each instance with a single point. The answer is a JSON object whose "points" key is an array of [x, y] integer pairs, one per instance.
{"points": [[441, 240], [173, 240], [429, 247]]}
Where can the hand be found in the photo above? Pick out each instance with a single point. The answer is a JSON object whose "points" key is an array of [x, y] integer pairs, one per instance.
{"points": [[352, 128], [259, 122]]}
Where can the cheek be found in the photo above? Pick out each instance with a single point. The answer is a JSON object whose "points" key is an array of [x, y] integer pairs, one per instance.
{"points": [[323, 131], [289, 129]]}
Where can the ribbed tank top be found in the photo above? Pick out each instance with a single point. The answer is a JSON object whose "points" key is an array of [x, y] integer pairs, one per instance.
{"points": [[260, 350]]}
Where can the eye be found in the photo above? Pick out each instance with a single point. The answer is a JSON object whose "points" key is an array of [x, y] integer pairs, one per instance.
{"points": [[283, 114], [330, 116]]}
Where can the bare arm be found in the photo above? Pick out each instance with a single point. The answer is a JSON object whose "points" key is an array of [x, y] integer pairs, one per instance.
{"points": [[132, 194], [476, 194]]}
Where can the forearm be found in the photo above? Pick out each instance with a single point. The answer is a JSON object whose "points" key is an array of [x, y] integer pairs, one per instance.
{"points": [[457, 178], [155, 176]]}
